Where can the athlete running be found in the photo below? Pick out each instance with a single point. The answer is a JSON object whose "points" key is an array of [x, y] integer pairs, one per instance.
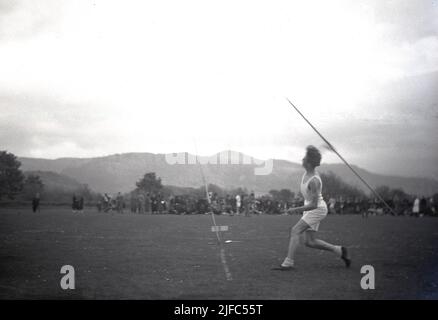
{"points": [[314, 211]]}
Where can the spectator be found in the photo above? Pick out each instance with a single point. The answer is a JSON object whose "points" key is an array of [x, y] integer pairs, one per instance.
{"points": [[228, 205], [119, 203], [36, 203], [252, 203], [154, 203], [81, 205], [341, 205], [416, 207], [133, 203], [75, 204], [238, 204], [332, 203], [245, 201], [423, 206], [147, 203], [160, 203], [397, 205], [406, 207], [432, 207], [140, 203], [106, 203], [356, 205]]}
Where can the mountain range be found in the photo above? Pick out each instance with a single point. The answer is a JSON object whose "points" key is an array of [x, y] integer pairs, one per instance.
{"points": [[119, 172]]}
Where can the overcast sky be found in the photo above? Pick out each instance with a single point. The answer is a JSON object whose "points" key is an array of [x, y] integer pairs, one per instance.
{"points": [[92, 78]]}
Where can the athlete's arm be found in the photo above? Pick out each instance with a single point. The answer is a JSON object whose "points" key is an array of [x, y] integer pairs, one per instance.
{"points": [[314, 186]]}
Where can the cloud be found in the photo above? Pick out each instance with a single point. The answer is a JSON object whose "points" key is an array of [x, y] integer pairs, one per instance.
{"points": [[22, 19], [403, 34], [34, 125], [408, 20]]}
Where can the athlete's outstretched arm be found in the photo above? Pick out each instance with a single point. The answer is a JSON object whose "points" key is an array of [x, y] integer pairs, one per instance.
{"points": [[314, 186]]}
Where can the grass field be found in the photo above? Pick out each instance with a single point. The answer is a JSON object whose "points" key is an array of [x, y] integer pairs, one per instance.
{"points": [[175, 257]]}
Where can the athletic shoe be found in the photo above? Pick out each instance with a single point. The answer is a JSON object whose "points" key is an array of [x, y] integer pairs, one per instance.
{"points": [[287, 264], [281, 268], [345, 257]]}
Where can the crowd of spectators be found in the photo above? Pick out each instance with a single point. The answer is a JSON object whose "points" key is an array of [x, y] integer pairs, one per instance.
{"points": [[248, 204]]}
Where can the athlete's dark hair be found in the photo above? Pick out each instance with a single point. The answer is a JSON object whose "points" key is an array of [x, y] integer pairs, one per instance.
{"points": [[313, 156]]}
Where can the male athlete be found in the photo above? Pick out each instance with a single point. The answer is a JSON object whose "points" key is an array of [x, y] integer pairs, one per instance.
{"points": [[314, 211]]}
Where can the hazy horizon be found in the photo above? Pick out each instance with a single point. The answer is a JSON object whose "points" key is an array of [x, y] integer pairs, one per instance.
{"points": [[249, 155]]}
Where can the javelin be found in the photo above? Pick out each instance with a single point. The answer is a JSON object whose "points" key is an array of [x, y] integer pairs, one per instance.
{"points": [[342, 158]]}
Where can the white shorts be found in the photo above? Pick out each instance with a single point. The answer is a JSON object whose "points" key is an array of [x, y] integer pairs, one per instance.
{"points": [[314, 217]]}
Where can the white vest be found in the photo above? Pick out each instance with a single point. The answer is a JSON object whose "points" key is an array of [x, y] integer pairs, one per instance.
{"points": [[305, 192]]}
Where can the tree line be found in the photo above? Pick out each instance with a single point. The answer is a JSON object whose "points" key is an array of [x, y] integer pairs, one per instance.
{"points": [[17, 187]]}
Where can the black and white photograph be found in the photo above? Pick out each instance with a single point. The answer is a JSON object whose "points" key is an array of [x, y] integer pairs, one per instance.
{"points": [[205, 150]]}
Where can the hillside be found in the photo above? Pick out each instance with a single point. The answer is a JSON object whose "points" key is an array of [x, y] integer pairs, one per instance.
{"points": [[56, 182], [119, 172]]}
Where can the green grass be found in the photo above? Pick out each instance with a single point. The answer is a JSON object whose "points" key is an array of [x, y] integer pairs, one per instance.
{"points": [[175, 257]]}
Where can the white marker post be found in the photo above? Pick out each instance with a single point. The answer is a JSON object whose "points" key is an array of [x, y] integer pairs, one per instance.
{"points": [[219, 228]]}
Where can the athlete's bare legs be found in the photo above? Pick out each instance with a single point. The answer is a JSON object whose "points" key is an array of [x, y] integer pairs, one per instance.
{"points": [[294, 241], [312, 242]]}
